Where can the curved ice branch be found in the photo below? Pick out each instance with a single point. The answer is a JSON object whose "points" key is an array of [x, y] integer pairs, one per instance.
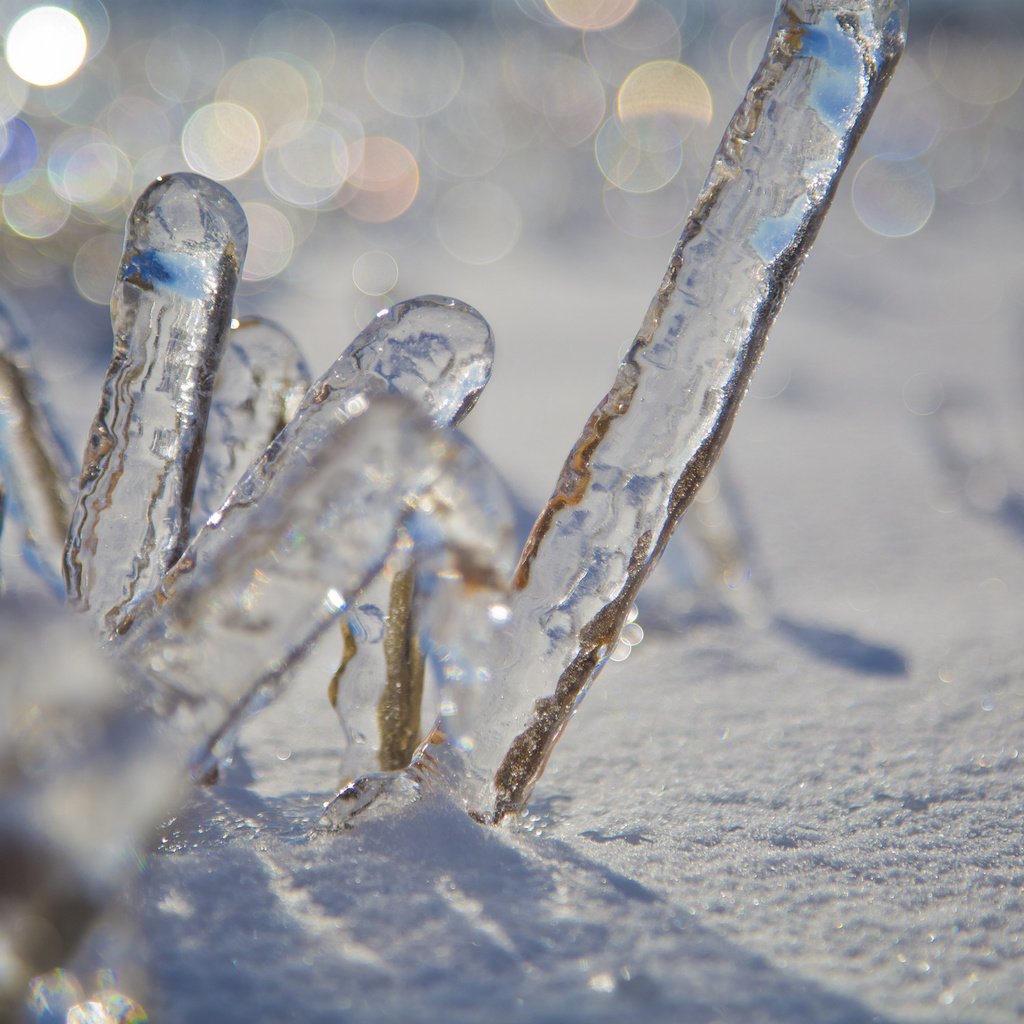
{"points": [[259, 386], [652, 440], [171, 308], [35, 467]]}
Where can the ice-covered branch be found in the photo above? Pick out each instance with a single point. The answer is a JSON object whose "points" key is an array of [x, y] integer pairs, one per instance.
{"points": [[652, 440], [171, 310]]}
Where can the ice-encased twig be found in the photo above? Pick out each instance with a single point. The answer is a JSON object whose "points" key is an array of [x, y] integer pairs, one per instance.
{"points": [[171, 308], [35, 466], [651, 442], [307, 527], [438, 352], [260, 384]]}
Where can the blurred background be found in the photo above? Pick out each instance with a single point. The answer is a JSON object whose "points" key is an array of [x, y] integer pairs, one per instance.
{"points": [[498, 151], [537, 159]]}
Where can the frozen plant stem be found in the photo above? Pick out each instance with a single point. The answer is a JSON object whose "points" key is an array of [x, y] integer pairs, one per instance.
{"points": [[309, 525], [171, 310], [260, 385], [654, 437], [34, 463]]}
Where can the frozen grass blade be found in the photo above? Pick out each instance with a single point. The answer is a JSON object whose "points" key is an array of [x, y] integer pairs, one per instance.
{"points": [[654, 437], [35, 467], [307, 528], [438, 353], [171, 309], [260, 385]]}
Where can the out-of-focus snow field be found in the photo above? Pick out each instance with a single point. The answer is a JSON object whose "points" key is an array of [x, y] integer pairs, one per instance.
{"points": [[818, 818]]}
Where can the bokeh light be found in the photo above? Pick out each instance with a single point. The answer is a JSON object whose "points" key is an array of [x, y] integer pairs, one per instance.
{"points": [[663, 91], [375, 272], [478, 222], [631, 165], [46, 45], [184, 63], [893, 198], [35, 211], [414, 70], [307, 162], [291, 34], [271, 242], [95, 265], [650, 33], [591, 15], [221, 140], [273, 91], [573, 98], [19, 152], [384, 178]]}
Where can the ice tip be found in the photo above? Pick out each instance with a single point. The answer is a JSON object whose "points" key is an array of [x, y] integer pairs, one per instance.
{"points": [[457, 320], [187, 212]]}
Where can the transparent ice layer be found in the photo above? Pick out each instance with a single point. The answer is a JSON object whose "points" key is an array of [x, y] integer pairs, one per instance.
{"points": [[171, 310], [653, 439], [307, 527], [260, 384]]}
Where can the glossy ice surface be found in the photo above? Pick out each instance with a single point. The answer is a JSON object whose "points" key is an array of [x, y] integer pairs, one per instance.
{"points": [[654, 437], [171, 310]]}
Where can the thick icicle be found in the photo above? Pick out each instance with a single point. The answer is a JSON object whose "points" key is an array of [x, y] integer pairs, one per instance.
{"points": [[35, 467], [259, 386], [171, 308], [438, 352], [307, 527], [652, 440]]}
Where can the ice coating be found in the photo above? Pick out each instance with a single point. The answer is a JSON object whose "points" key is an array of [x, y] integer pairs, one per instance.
{"points": [[171, 309], [35, 467], [438, 352], [654, 437], [259, 386], [311, 522]]}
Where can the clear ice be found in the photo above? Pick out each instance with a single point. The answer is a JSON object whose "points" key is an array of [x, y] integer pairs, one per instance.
{"points": [[259, 387], [652, 440], [171, 311]]}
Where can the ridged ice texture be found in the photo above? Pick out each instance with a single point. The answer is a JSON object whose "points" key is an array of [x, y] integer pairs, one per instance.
{"points": [[438, 352], [259, 387], [35, 467], [306, 529], [652, 440], [171, 308]]}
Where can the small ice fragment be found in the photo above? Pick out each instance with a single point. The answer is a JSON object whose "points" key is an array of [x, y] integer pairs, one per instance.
{"points": [[260, 383], [35, 466], [171, 308]]}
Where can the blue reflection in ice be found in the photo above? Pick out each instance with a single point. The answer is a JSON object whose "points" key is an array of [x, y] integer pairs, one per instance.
{"points": [[19, 152]]}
